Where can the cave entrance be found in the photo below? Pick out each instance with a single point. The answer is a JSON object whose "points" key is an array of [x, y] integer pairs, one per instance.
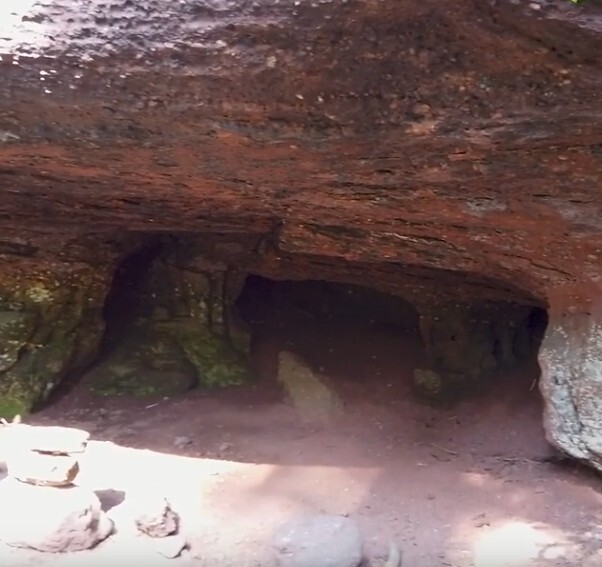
{"points": [[349, 335], [177, 320], [371, 345]]}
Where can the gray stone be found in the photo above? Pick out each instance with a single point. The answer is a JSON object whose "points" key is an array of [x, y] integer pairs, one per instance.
{"points": [[571, 385], [170, 546], [51, 519], [309, 392], [319, 541], [155, 517], [182, 442]]}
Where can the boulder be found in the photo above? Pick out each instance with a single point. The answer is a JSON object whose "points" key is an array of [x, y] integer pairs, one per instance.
{"points": [[571, 384], [50, 519], [308, 391], [232, 548]]}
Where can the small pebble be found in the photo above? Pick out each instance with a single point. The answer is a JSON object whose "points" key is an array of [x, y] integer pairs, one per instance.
{"points": [[183, 441]]}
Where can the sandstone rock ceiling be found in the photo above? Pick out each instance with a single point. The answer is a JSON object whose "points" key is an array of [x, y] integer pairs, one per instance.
{"points": [[390, 143]]}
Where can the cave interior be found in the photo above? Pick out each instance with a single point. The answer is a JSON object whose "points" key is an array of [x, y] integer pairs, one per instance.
{"points": [[171, 326]]}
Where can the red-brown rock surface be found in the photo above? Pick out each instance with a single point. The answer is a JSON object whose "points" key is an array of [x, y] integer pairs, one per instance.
{"points": [[440, 151]]}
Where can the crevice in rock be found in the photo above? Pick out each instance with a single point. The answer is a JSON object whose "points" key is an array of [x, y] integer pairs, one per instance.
{"points": [[124, 299]]}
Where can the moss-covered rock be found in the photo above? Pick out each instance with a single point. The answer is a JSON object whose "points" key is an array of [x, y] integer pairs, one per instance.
{"points": [[180, 328], [50, 324], [144, 363]]}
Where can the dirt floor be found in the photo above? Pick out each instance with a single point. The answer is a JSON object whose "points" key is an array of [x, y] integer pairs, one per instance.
{"points": [[471, 485]]}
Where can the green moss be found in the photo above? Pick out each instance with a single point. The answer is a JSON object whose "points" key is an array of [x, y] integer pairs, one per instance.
{"points": [[167, 358], [50, 324], [11, 404], [124, 381], [145, 362], [217, 362]]}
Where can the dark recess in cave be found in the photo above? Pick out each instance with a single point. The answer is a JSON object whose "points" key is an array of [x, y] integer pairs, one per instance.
{"points": [[322, 299], [124, 299], [359, 334]]}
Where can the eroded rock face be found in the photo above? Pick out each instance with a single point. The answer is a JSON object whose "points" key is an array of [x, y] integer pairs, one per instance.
{"points": [[450, 155], [467, 343], [172, 323], [571, 384], [384, 144], [50, 324]]}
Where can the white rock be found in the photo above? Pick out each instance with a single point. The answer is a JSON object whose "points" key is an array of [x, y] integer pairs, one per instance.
{"points": [[59, 440], [154, 516], [54, 440], [319, 541], [42, 469], [51, 519], [170, 546]]}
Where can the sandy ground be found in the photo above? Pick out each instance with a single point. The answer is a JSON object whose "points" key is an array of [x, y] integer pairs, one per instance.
{"points": [[471, 485]]}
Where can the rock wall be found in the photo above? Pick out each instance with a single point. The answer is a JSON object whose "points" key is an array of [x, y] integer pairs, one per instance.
{"points": [[50, 324], [466, 344], [449, 154], [172, 323], [571, 384]]}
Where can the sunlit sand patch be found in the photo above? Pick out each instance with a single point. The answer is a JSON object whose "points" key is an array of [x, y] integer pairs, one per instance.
{"points": [[516, 543]]}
